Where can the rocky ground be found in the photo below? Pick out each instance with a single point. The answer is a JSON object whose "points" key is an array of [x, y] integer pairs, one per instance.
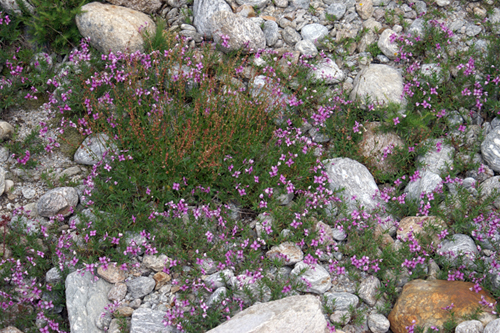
{"points": [[145, 292]]}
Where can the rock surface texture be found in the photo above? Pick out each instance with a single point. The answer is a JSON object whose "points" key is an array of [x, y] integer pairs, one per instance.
{"points": [[113, 28]]}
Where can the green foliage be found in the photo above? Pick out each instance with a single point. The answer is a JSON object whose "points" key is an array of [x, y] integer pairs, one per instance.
{"points": [[54, 23], [31, 143]]}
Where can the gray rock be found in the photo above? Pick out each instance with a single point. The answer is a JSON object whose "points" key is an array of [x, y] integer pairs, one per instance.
{"points": [[336, 9], [53, 276], [141, 286], [203, 11], [281, 3], [217, 279], [364, 9], [4, 154], [208, 266], [2, 180], [317, 280], [118, 292], [381, 83], [242, 32], [458, 246], [61, 200], [355, 179], [442, 3], [145, 6], [341, 301], [327, 71], [145, 320], [11, 6], [248, 289], [420, 7], [314, 32], [271, 32], [113, 28], [470, 326], [492, 327], [429, 70], [494, 18], [304, 4], [217, 296], [253, 3], [368, 290], [378, 323], [472, 30], [427, 183], [456, 25], [489, 186], [438, 158], [290, 36], [490, 149], [306, 48], [92, 149], [290, 314], [388, 48], [85, 300], [417, 27]]}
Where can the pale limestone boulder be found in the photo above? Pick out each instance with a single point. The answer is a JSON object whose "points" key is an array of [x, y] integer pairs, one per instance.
{"points": [[145, 6], [290, 314], [114, 28], [6, 130]]}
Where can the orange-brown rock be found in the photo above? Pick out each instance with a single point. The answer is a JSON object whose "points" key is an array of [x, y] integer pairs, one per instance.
{"points": [[112, 274], [268, 18], [161, 279], [423, 301], [374, 144], [418, 224]]}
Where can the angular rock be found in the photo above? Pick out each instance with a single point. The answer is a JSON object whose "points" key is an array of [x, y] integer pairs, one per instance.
{"points": [[337, 10], [378, 323], [459, 245], [112, 274], [355, 179], [145, 320], [92, 149], [217, 296], [426, 300], [141, 286], [470, 326], [248, 289], [6, 130], [118, 292], [494, 19], [306, 48], [290, 253], [390, 49], [290, 314], [438, 158], [2, 180], [490, 149], [85, 300], [243, 33], [253, 3], [304, 4], [490, 186], [427, 183], [316, 279], [341, 301], [161, 279], [10, 329], [271, 32], [368, 290], [290, 36], [314, 32], [216, 280], [380, 83], [327, 71], [364, 8], [203, 10], [113, 28], [61, 200], [53, 276], [376, 147], [155, 262], [145, 6]]}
